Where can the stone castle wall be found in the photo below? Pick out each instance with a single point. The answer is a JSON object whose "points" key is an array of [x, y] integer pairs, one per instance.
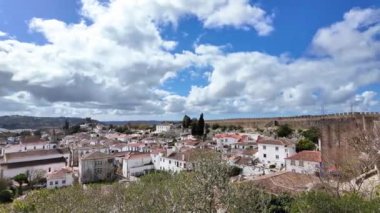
{"points": [[336, 129]]}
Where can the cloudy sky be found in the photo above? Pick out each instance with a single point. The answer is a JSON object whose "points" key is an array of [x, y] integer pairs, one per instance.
{"points": [[160, 59]]}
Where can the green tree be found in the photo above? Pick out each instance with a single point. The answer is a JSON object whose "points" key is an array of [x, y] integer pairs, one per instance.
{"points": [[201, 125], [305, 144], [215, 126], [194, 126], [66, 126], [20, 179], [311, 134], [186, 122], [284, 131]]}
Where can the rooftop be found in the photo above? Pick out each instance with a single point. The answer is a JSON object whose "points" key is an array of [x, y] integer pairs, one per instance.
{"points": [[60, 174], [289, 182], [270, 141], [20, 155], [314, 156]]}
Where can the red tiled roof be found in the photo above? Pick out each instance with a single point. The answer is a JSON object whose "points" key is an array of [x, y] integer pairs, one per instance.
{"points": [[136, 155], [314, 156], [60, 174], [249, 152], [261, 140], [136, 145]]}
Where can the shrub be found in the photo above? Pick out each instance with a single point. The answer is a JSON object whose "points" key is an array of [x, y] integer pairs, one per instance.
{"points": [[6, 196]]}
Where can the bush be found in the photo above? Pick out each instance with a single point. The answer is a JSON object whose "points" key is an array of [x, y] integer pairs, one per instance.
{"points": [[311, 134], [305, 144], [320, 201], [284, 131], [235, 171], [6, 196], [272, 166]]}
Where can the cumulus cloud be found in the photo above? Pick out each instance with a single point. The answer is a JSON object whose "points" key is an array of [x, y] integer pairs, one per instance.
{"points": [[115, 61], [346, 58]]}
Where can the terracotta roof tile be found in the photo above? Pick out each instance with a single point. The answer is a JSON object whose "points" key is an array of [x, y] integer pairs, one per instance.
{"points": [[314, 156]]}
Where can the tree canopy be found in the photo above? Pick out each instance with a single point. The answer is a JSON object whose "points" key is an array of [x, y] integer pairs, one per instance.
{"points": [[186, 122], [284, 131], [311, 134], [305, 144]]}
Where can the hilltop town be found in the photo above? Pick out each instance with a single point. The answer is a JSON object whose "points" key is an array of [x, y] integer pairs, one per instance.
{"points": [[276, 158]]}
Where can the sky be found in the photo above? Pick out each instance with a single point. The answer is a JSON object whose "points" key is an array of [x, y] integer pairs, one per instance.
{"points": [[161, 59]]}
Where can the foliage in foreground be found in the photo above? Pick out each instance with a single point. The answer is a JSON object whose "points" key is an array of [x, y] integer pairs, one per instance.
{"points": [[206, 189]]}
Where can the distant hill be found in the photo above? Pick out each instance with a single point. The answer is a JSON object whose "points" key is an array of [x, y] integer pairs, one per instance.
{"points": [[29, 122], [152, 122]]}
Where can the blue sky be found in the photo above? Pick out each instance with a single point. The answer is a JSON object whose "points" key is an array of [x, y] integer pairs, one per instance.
{"points": [[166, 60]]}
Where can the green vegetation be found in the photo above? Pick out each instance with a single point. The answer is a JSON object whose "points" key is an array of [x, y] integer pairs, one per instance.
{"points": [[235, 171], [284, 131], [206, 189], [20, 179], [311, 134], [198, 126], [186, 122], [223, 128], [305, 144], [322, 202]]}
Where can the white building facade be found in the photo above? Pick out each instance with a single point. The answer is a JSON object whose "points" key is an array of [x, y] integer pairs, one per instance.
{"points": [[305, 162], [136, 164], [274, 152], [61, 178], [163, 128]]}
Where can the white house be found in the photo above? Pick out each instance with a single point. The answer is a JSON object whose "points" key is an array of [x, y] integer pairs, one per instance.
{"points": [[274, 152], [306, 162], [136, 147], [135, 164], [163, 128], [172, 161], [15, 163], [227, 138], [61, 178]]}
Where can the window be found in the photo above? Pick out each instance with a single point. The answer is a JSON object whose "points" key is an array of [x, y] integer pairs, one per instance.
{"points": [[277, 157], [276, 148], [56, 182], [63, 181], [301, 163], [98, 170], [170, 162], [264, 147], [49, 170], [51, 183], [98, 163], [265, 155], [293, 162], [24, 148]]}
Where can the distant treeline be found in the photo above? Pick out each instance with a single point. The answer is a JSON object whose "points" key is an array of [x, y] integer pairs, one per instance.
{"points": [[29, 122]]}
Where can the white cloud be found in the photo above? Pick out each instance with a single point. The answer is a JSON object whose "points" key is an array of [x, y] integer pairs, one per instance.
{"points": [[3, 34], [113, 64], [346, 59]]}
